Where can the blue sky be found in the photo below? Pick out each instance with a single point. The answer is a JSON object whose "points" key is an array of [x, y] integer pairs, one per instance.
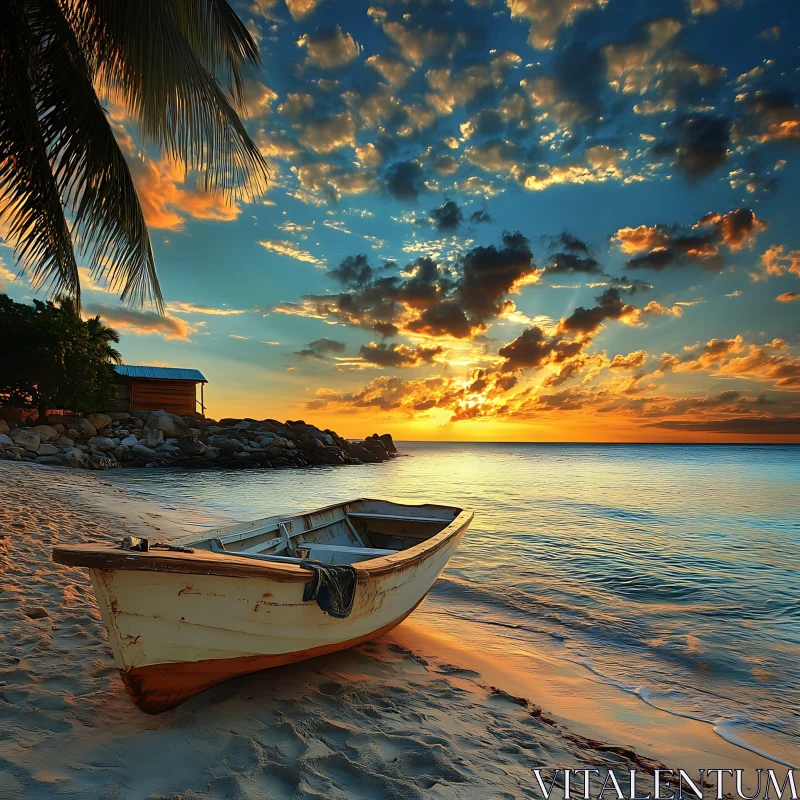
{"points": [[533, 219]]}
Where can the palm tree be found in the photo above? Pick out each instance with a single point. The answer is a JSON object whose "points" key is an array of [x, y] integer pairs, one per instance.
{"points": [[103, 336], [99, 333], [176, 65]]}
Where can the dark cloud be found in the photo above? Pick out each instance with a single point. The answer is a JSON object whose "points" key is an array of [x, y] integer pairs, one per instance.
{"points": [[353, 271], [405, 180], [587, 320], [444, 319], [447, 217], [398, 355], [698, 145], [476, 217], [534, 348], [574, 257], [773, 116], [321, 348], [737, 425], [457, 299], [658, 247], [489, 274]]}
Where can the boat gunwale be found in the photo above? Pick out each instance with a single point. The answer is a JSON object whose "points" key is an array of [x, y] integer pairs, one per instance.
{"points": [[207, 562]]}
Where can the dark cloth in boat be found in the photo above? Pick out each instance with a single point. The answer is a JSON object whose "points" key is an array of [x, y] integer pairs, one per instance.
{"points": [[333, 587]]}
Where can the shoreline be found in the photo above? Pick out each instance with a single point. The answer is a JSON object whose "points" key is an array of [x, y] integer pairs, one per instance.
{"points": [[59, 699]]}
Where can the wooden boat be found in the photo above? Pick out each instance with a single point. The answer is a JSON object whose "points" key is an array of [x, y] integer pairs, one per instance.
{"points": [[185, 616]]}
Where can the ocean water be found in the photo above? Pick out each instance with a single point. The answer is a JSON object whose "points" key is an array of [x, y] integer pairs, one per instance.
{"points": [[672, 572]]}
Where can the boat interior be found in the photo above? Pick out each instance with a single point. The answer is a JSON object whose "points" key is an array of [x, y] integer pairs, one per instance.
{"points": [[348, 533]]}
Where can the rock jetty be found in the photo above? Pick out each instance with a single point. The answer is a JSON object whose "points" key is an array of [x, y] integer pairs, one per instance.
{"points": [[160, 439]]}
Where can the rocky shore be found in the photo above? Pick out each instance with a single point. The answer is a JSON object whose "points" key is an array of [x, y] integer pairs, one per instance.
{"points": [[160, 439]]}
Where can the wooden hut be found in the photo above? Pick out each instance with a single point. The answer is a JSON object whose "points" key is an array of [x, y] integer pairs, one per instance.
{"points": [[153, 388]]}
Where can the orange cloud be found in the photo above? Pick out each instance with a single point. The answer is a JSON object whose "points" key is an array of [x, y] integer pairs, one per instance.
{"points": [[788, 297], [167, 203], [776, 262], [142, 322]]}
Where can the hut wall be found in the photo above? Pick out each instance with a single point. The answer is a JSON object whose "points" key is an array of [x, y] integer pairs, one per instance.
{"points": [[176, 397]]}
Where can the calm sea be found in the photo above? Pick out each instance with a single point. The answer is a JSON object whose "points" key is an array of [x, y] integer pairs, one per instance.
{"points": [[669, 571]]}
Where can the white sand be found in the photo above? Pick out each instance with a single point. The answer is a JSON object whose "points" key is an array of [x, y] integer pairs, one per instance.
{"points": [[410, 715]]}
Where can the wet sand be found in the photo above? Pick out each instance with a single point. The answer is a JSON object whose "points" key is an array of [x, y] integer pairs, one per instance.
{"points": [[419, 713]]}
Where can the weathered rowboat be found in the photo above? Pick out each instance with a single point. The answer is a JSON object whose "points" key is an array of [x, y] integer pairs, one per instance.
{"points": [[185, 616]]}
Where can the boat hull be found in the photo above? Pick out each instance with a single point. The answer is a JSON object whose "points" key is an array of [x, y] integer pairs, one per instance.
{"points": [[175, 634]]}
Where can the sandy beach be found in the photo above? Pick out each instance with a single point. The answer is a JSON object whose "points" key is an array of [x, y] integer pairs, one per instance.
{"points": [[414, 714]]}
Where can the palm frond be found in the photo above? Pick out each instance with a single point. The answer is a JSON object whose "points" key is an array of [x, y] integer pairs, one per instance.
{"points": [[89, 168], [142, 52], [30, 203]]}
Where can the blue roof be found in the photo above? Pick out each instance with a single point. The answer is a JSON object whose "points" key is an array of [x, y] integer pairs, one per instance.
{"points": [[162, 373]]}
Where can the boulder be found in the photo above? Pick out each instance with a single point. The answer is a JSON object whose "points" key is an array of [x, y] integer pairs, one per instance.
{"points": [[51, 461], [154, 437], [361, 453], [330, 456], [141, 450], [226, 444], [388, 443], [46, 433], [100, 461], [75, 458], [64, 441], [3, 426], [169, 448], [26, 439], [227, 422], [9, 455], [6, 441], [119, 452], [191, 445], [325, 438], [101, 444], [81, 424], [170, 424], [99, 421], [129, 441], [118, 416], [47, 450]]}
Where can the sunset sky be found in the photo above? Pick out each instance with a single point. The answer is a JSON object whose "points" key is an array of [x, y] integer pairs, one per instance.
{"points": [[544, 220]]}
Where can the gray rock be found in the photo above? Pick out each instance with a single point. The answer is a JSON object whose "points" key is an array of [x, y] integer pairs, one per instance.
{"points": [[191, 445], [6, 441], [129, 441], [51, 461], [210, 454], [169, 448], [47, 450], [101, 444], [64, 441], [26, 439], [99, 461], [226, 444], [46, 433], [325, 438], [117, 416], [170, 424], [154, 437], [9, 455], [99, 421], [141, 450], [119, 452], [81, 424], [75, 458], [35, 613]]}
